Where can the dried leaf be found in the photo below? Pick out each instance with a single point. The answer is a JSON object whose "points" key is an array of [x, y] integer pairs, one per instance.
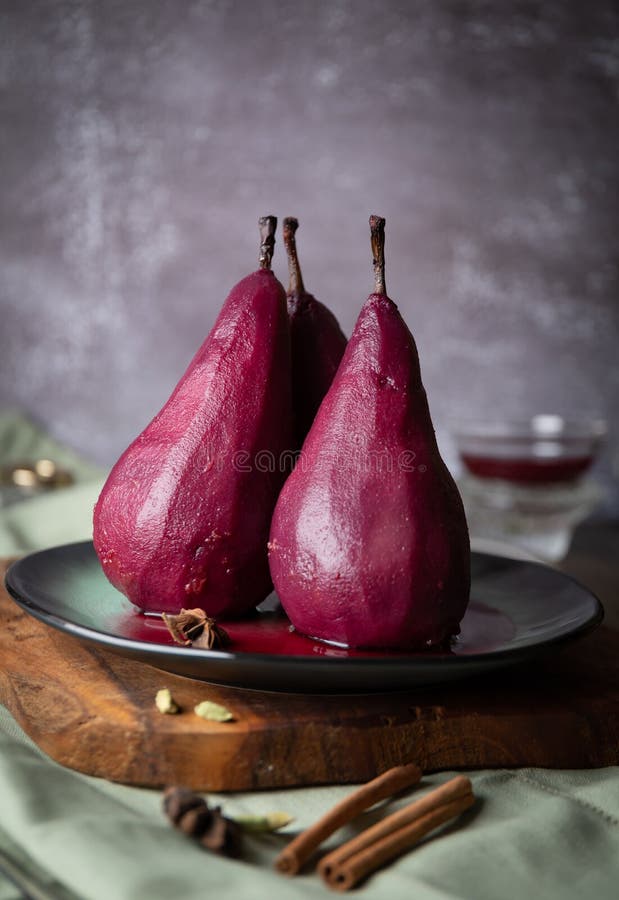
{"points": [[165, 703], [213, 712], [272, 821]]}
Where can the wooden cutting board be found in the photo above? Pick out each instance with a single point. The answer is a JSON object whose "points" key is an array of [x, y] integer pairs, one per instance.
{"points": [[94, 711]]}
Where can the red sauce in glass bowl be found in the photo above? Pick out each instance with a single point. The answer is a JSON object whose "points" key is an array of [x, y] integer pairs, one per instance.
{"points": [[531, 470]]}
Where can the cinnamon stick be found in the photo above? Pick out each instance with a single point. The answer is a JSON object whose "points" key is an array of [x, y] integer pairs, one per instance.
{"points": [[299, 850], [353, 861]]}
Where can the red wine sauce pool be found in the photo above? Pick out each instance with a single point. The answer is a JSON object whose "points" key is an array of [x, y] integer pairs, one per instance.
{"points": [[483, 630], [532, 470]]}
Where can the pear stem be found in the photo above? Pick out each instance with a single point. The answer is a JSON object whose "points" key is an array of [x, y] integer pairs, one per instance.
{"points": [[267, 225], [377, 232], [294, 269]]}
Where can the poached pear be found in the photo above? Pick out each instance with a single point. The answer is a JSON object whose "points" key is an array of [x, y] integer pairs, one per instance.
{"points": [[183, 518], [317, 342], [369, 544]]}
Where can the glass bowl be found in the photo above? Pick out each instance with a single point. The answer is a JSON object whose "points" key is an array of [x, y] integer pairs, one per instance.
{"points": [[524, 481]]}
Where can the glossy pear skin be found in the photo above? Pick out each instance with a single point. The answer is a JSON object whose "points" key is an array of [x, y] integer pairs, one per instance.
{"points": [[318, 344], [369, 545], [184, 516]]}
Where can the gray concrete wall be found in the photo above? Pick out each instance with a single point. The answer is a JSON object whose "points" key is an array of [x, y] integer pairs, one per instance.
{"points": [[140, 141]]}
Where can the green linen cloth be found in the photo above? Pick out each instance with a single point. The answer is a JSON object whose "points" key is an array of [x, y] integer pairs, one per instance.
{"points": [[532, 833]]}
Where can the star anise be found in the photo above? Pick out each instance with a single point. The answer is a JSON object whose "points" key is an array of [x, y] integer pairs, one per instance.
{"points": [[192, 627]]}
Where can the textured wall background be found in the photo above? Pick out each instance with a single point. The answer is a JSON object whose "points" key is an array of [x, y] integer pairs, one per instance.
{"points": [[140, 142]]}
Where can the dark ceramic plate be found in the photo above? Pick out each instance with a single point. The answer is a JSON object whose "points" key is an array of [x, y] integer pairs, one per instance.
{"points": [[518, 609]]}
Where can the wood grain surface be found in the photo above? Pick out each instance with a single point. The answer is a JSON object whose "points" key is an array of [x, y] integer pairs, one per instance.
{"points": [[94, 711]]}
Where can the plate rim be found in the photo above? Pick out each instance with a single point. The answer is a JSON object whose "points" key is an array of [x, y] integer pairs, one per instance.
{"points": [[153, 649]]}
